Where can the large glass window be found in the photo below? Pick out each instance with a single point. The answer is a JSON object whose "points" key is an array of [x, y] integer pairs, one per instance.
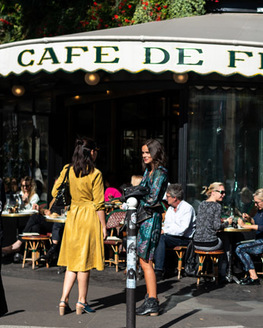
{"points": [[24, 146], [225, 142], [154, 115]]}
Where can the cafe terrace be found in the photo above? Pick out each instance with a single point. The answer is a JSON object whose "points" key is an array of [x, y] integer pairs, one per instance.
{"points": [[194, 83]]}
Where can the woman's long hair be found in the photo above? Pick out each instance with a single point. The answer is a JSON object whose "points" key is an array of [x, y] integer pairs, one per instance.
{"points": [[82, 161], [157, 153]]}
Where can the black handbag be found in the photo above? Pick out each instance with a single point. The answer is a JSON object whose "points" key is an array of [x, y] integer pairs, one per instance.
{"points": [[145, 213], [191, 260], [134, 191], [63, 197]]}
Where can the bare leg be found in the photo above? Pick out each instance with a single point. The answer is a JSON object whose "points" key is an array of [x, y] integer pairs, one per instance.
{"points": [[12, 248], [69, 280], [150, 278], [83, 284], [253, 274]]}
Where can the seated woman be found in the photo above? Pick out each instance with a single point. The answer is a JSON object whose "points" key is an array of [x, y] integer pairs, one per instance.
{"points": [[208, 222], [11, 191], [111, 190], [38, 224], [28, 193], [244, 251]]}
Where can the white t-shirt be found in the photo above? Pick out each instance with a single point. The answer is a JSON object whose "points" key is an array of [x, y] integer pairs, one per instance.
{"points": [[34, 200], [180, 222]]}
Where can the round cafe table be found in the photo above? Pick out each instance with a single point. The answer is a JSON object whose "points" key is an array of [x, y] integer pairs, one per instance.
{"points": [[60, 219], [230, 229], [17, 216]]}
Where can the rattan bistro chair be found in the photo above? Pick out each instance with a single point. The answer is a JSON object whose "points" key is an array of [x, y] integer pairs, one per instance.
{"points": [[205, 255], [115, 220]]}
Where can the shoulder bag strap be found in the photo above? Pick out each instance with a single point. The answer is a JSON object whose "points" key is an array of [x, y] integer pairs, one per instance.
{"points": [[66, 177]]}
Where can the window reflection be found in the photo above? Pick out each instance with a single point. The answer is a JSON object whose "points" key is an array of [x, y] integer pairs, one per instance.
{"points": [[21, 143], [225, 142]]}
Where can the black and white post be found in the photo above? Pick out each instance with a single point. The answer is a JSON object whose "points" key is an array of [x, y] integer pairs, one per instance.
{"points": [[131, 262]]}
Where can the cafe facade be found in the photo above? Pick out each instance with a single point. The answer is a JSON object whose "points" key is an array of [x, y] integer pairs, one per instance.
{"points": [[193, 83]]}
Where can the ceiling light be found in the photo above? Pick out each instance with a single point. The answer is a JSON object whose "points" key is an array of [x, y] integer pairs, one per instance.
{"points": [[18, 90], [180, 78], [92, 78]]}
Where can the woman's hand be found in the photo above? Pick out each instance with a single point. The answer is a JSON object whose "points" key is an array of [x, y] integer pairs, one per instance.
{"points": [[35, 207], [101, 215], [47, 212], [246, 217], [240, 222], [104, 231]]}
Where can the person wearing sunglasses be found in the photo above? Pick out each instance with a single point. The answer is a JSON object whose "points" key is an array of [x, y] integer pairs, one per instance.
{"points": [[208, 223], [28, 193], [244, 251]]}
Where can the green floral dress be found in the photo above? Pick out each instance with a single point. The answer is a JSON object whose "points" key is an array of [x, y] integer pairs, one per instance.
{"points": [[149, 231]]}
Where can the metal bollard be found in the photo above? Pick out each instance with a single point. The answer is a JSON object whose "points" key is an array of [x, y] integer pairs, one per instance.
{"points": [[131, 262]]}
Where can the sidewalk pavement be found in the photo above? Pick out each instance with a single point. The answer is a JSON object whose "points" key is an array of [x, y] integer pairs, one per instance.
{"points": [[33, 297]]}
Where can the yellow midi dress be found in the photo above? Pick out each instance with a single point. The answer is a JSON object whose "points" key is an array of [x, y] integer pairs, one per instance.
{"points": [[82, 246]]}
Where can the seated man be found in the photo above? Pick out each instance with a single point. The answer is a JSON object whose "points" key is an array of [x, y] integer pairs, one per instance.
{"points": [[178, 227], [37, 223]]}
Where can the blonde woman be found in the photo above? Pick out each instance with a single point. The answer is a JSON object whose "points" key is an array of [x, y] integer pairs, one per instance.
{"points": [[28, 192], [208, 220], [244, 251]]}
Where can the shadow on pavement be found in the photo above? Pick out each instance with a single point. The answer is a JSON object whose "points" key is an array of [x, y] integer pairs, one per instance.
{"points": [[177, 320]]}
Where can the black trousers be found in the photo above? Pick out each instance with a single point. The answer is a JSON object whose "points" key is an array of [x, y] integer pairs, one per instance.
{"points": [[37, 223]]}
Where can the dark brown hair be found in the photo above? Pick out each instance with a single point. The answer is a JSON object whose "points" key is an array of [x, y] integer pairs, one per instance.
{"points": [[157, 153], [82, 161]]}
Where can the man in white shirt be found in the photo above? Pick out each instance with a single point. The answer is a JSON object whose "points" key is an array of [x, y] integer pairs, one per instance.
{"points": [[178, 227]]}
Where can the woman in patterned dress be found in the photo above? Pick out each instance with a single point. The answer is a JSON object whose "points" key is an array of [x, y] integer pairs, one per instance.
{"points": [[82, 247], [155, 178]]}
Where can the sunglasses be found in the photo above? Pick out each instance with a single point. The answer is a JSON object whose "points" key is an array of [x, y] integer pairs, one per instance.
{"points": [[257, 202], [222, 192], [25, 185]]}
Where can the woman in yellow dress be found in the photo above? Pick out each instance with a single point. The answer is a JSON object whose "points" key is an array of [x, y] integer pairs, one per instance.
{"points": [[82, 247]]}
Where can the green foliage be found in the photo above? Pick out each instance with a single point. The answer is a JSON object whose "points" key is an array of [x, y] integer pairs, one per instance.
{"points": [[124, 11], [186, 8], [105, 14], [151, 10], [27, 19], [154, 10], [10, 22], [98, 16]]}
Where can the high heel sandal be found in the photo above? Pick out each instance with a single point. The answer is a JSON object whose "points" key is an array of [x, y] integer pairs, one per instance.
{"points": [[83, 308], [64, 308]]}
